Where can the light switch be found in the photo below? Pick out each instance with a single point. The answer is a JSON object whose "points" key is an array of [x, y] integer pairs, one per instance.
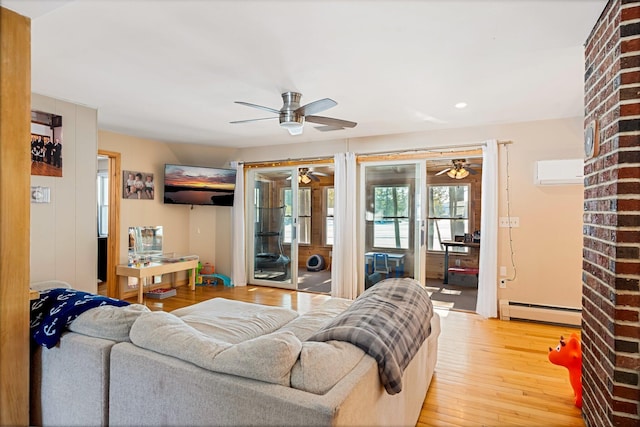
{"points": [[40, 194]]}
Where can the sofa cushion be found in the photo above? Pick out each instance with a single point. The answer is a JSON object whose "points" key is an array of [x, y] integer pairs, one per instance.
{"points": [[234, 321], [322, 364], [307, 324], [108, 321], [268, 358], [167, 334]]}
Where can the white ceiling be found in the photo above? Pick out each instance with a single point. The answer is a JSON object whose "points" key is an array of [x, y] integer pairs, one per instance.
{"points": [[171, 70]]}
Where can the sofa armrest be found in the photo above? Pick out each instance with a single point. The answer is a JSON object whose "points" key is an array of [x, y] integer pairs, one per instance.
{"points": [[70, 382]]}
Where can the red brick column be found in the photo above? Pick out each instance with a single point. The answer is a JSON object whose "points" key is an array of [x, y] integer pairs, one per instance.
{"points": [[611, 253]]}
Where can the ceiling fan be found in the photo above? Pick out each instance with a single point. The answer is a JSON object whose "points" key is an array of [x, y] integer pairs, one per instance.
{"points": [[459, 169], [292, 116], [306, 175]]}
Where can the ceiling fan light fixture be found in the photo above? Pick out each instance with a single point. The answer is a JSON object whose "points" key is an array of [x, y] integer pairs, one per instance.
{"points": [[304, 179], [293, 127], [292, 115], [458, 173], [292, 122]]}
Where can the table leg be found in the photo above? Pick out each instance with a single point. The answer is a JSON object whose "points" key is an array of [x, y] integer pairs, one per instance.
{"points": [[400, 269], [192, 279], [141, 283], [446, 265]]}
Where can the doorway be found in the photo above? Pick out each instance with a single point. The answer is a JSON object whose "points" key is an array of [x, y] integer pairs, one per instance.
{"points": [[274, 227], [109, 184], [394, 227], [291, 220], [454, 193], [409, 207]]}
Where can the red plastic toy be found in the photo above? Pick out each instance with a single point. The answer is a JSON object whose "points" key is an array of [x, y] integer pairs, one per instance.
{"points": [[569, 354]]}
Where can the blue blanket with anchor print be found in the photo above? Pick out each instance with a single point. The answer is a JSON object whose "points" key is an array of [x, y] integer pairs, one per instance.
{"points": [[57, 308]]}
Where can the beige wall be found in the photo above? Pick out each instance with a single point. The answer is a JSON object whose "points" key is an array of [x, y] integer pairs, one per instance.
{"points": [[203, 230], [63, 232]]}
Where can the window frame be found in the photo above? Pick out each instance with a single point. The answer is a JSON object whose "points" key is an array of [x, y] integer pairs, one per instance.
{"points": [[102, 198], [326, 215], [432, 232], [301, 218], [398, 236]]}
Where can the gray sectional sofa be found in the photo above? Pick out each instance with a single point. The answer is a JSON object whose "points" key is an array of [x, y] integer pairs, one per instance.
{"points": [[221, 362]]}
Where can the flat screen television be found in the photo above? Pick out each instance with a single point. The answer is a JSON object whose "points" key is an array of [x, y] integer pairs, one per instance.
{"points": [[197, 185]]}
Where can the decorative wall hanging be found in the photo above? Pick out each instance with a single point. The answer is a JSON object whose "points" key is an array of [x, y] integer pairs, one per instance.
{"points": [[137, 185], [46, 144]]}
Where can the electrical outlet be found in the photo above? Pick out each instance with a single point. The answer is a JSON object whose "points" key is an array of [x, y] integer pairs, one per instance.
{"points": [[503, 283], [505, 221]]}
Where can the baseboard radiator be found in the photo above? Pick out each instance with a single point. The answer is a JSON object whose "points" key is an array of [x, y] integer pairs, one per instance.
{"points": [[513, 310]]}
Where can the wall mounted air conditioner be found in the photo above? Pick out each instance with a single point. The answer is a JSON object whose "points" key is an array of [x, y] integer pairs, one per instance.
{"points": [[559, 172]]}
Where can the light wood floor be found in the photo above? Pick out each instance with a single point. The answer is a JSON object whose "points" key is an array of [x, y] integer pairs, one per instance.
{"points": [[489, 372]]}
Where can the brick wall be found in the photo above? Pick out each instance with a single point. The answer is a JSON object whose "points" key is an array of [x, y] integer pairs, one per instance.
{"points": [[611, 253]]}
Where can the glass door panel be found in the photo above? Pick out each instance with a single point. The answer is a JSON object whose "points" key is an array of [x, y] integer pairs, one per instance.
{"points": [[393, 220], [315, 227], [273, 207]]}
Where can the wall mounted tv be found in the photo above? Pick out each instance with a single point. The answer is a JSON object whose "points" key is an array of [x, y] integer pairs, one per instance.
{"points": [[195, 185]]}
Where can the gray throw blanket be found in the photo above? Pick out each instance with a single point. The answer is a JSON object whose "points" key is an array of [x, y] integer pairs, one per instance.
{"points": [[389, 321]]}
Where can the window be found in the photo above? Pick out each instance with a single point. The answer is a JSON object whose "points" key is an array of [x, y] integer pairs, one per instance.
{"points": [[328, 215], [448, 215], [103, 203], [391, 217], [304, 215]]}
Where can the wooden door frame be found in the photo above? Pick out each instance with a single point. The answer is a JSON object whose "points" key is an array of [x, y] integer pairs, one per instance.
{"points": [[15, 178], [113, 238]]}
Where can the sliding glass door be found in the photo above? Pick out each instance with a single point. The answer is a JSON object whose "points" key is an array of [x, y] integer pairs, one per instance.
{"points": [[272, 198], [393, 198]]}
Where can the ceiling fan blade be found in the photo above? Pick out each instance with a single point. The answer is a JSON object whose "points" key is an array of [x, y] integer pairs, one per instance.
{"points": [[316, 106], [471, 171], [327, 128], [261, 107], [253, 120], [313, 176], [443, 171], [330, 121]]}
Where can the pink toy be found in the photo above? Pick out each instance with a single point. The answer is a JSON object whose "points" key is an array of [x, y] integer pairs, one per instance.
{"points": [[569, 355]]}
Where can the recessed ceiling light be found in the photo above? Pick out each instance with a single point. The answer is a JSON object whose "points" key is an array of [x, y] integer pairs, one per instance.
{"points": [[461, 105]]}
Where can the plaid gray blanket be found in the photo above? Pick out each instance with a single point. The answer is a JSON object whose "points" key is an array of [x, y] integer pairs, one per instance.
{"points": [[389, 321]]}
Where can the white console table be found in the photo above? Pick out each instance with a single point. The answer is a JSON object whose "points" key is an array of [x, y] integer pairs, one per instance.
{"points": [[156, 268]]}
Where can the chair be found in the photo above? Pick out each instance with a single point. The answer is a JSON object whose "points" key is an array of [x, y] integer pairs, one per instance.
{"points": [[381, 263]]}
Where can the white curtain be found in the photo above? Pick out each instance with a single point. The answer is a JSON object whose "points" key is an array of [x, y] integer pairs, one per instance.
{"points": [[487, 305], [239, 274], [344, 272]]}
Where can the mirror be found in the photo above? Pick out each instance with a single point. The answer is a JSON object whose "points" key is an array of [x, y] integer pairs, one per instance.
{"points": [[146, 240]]}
